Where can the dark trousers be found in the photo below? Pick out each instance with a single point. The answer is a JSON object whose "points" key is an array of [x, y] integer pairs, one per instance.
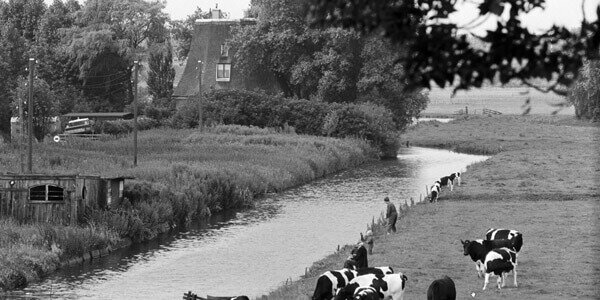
{"points": [[391, 226]]}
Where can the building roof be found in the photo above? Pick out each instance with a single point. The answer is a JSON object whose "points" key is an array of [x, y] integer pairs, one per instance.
{"points": [[209, 34], [100, 115]]}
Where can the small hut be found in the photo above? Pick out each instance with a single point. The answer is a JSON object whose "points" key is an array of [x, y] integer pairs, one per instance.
{"points": [[58, 199]]}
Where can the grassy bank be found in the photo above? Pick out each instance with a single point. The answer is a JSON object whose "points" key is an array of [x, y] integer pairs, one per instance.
{"points": [[542, 180], [181, 175]]}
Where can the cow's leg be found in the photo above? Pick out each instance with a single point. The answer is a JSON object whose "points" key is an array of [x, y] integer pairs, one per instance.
{"points": [[504, 274], [486, 281], [515, 276], [451, 185], [478, 269], [499, 281]]}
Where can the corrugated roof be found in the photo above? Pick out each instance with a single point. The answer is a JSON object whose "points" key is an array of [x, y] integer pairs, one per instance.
{"points": [[123, 115]]}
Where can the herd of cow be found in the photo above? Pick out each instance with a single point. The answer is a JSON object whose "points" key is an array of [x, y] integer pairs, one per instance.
{"points": [[496, 255], [436, 188]]}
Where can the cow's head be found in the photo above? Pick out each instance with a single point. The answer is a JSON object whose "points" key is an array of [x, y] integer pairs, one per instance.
{"points": [[466, 246], [404, 279]]}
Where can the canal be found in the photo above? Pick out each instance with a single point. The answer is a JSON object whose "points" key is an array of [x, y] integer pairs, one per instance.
{"points": [[253, 251]]}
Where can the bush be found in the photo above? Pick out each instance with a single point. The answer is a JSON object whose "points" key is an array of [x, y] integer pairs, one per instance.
{"points": [[585, 93], [366, 121], [186, 116], [122, 127], [243, 108]]}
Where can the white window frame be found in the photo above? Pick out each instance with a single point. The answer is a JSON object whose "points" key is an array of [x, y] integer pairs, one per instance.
{"points": [[226, 71]]}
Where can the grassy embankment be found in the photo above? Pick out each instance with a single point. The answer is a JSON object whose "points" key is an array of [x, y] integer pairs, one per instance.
{"points": [[187, 173], [542, 180]]}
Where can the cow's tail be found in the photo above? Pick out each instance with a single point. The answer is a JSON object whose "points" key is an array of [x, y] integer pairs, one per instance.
{"points": [[518, 243]]}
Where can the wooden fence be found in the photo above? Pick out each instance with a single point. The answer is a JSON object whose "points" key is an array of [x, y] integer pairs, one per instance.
{"points": [[487, 111]]}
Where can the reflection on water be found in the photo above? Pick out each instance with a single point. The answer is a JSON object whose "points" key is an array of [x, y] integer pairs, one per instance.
{"points": [[252, 251]]}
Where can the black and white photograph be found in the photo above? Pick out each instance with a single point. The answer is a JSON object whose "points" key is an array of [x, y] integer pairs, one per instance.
{"points": [[299, 149]]}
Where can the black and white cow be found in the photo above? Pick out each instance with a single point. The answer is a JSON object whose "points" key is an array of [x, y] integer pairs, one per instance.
{"points": [[491, 258], [499, 262], [478, 249], [359, 254], [388, 286], [434, 192], [329, 282], [446, 181], [515, 237], [442, 289], [455, 176]]}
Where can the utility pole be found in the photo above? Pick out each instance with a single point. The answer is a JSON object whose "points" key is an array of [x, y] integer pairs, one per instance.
{"points": [[200, 122], [135, 126], [22, 133], [30, 116]]}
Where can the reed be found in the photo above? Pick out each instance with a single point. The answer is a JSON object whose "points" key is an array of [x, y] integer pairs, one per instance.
{"points": [[181, 175]]}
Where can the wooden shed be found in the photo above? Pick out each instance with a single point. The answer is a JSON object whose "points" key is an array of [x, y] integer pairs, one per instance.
{"points": [[59, 199]]}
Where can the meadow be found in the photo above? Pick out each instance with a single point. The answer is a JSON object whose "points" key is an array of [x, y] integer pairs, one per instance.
{"points": [[181, 175], [541, 180], [507, 100]]}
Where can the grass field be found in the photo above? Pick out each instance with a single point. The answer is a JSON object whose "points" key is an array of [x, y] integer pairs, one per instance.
{"points": [[508, 100], [541, 180], [181, 175]]}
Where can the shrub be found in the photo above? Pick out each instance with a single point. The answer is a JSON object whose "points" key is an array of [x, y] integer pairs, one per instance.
{"points": [[585, 93], [365, 121], [307, 117], [122, 127], [186, 116], [243, 108]]}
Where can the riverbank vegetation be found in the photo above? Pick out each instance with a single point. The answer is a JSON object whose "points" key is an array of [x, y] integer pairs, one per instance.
{"points": [[541, 180], [181, 174]]}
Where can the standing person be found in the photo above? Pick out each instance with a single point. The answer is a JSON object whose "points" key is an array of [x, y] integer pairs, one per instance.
{"points": [[391, 215]]}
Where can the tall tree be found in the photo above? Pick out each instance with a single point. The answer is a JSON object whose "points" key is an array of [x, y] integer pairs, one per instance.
{"points": [[43, 105], [329, 64], [381, 81], [13, 62], [25, 15], [56, 65], [160, 63], [111, 36]]}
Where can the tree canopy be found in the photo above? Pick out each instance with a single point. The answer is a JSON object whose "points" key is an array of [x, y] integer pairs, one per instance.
{"points": [[437, 50], [324, 64]]}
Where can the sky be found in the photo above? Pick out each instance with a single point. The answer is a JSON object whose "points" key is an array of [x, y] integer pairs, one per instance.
{"points": [[561, 12]]}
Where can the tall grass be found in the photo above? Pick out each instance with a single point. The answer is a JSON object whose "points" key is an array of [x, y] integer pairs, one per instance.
{"points": [[181, 175], [28, 252]]}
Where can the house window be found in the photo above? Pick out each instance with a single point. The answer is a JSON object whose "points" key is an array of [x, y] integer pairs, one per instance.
{"points": [[46, 193], [224, 50], [224, 72]]}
